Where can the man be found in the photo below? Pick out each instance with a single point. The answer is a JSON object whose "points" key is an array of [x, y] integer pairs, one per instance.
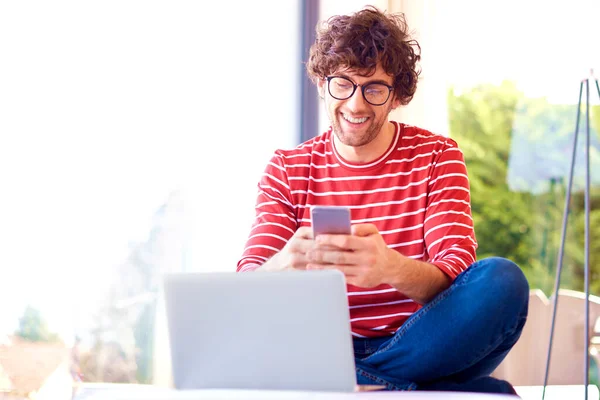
{"points": [[424, 313]]}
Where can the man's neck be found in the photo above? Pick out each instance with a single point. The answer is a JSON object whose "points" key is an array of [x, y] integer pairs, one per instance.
{"points": [[369, 152]]}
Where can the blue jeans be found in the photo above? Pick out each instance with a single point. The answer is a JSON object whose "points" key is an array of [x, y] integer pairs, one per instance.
{"points": [[458, 338]]}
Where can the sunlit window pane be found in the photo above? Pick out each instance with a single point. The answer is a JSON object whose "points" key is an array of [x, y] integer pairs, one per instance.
{"points": [[132, 136]]}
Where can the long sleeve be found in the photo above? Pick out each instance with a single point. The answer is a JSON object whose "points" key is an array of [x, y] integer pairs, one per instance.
{"points": [[449, 232], [275, 221]]}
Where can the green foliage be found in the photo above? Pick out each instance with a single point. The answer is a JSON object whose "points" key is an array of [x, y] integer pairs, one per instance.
{"points": [[518, 152], [33, 327]]}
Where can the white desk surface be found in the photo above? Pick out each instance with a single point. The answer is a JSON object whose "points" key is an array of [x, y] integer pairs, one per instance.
{"points": [[135, 392], [224, 394]]}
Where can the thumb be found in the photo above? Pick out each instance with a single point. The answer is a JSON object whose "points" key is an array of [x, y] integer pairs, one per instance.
{"points": [[364, 229]]}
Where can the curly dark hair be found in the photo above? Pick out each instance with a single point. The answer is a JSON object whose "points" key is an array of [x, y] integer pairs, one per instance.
{"points": [[361, 40]]}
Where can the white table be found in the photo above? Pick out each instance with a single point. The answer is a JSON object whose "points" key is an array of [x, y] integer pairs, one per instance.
{"points": [[228, 394], [141, 392]]}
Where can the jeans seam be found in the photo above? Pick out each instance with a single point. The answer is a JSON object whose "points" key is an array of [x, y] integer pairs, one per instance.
{"points": [[483, 353], [389, 385]]}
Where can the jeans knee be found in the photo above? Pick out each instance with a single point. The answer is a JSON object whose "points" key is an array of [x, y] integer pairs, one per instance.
{"points": [[508, 275], [504, 280]]}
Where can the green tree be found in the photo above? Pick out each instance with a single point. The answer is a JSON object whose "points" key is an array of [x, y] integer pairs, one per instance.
{"points": [[33, 327], [518, 152], [481, 120]]}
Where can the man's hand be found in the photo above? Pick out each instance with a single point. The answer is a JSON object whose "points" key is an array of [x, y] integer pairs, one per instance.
{"points": [[363, 257], [294, 253]]}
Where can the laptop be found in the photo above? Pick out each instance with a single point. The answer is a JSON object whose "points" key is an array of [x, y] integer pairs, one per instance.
{"points": [[260, 330]]}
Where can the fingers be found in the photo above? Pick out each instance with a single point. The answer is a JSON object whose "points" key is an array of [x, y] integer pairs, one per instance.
{"points": [[297, 260], [346, 242], [302, 241], [300, 245], [331, 250], [347, 270], [349, 242], [295, 252], [304, 232], [335, 256], [364, 229]]}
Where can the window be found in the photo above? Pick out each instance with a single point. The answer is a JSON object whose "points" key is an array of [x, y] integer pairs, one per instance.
{"points": [[512, 78], [132, 137]]}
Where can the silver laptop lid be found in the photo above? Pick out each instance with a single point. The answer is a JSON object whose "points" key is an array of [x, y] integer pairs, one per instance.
{"points": [[260, 330]]}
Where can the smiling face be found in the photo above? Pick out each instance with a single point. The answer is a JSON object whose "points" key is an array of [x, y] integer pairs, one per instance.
{"points": [[355, 122]]}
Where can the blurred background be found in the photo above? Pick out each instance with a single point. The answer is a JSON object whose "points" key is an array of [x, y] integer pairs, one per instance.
{"points": [[133, 133]]}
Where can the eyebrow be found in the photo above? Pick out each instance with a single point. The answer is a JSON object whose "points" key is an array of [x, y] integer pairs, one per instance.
{"points": [[381, 81]]}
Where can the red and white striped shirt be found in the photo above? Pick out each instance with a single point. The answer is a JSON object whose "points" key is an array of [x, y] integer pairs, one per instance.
{"points": [[417, 194]]}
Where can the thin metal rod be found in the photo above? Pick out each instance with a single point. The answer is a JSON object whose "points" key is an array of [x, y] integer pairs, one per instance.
{"points": [[586, 263], [561, 249]]}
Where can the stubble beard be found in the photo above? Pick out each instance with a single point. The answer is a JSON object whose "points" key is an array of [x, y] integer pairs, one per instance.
{"points": [[354, 140]]}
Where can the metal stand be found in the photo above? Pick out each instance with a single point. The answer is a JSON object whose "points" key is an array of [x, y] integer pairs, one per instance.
{"points": [[586, 83]]}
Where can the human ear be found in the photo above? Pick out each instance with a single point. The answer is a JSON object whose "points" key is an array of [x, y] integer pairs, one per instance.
{"points": [[321, 87]]}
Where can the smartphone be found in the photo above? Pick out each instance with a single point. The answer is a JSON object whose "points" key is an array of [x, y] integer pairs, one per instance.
{"points": [[330, 220]]}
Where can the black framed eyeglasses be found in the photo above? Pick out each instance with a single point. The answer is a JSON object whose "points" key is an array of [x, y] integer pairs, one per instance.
{"points": [[374, 93]]}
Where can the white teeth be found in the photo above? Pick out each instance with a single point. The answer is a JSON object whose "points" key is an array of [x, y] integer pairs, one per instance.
{"points": [[354, 120]]}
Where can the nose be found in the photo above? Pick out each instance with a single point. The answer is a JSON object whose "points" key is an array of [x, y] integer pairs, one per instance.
{"points": [[357, 101]]}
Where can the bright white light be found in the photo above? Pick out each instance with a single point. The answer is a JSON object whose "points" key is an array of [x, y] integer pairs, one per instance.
{"points": [[105, 109]]}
